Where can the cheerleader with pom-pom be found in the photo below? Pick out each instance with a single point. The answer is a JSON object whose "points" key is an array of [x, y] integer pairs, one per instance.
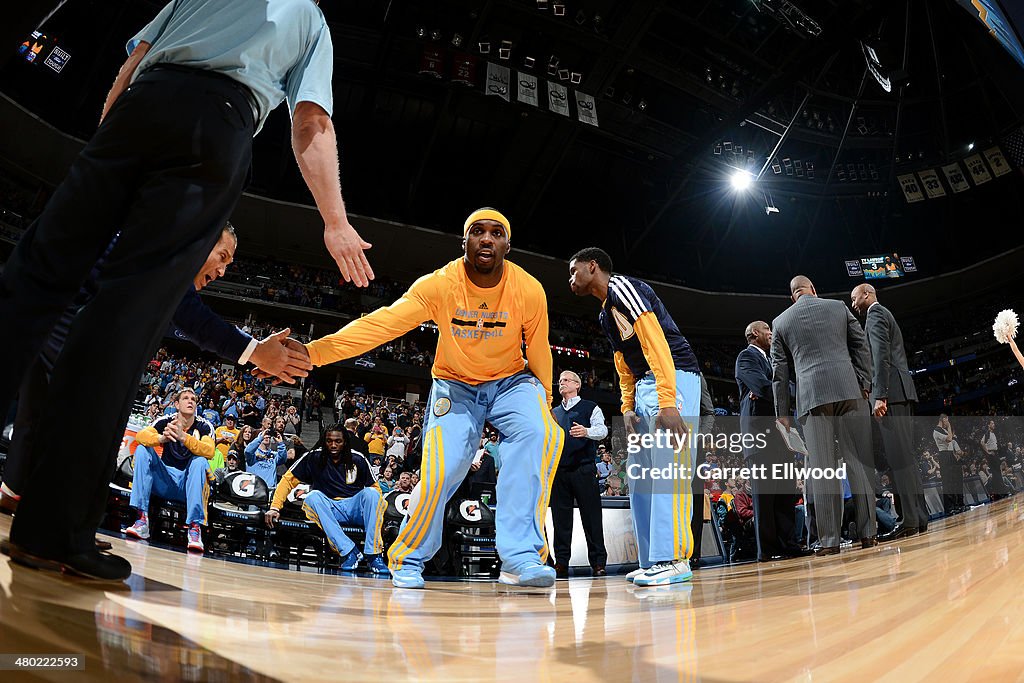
{"points": [[1005, 329]]}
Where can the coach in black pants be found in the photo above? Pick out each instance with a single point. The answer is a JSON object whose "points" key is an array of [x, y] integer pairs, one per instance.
{"points": [[576, 477], [893, 397], [165, 168]]}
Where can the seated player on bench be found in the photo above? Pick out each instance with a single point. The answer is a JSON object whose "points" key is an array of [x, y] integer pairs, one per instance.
{"points": [[342, 491], [181, 473]]}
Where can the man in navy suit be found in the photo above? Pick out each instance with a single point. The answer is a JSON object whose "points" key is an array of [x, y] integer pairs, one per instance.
{"points": [[774, 500]]}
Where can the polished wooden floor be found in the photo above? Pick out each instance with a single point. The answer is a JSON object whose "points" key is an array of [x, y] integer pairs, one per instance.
{"points": [[944, 606]]}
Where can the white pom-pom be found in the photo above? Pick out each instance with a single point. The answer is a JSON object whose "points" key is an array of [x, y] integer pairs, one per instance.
{"points": [[1005, 326]]}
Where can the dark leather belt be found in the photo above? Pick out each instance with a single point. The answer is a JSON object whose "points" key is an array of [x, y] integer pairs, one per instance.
{"points": [[216, 75]]}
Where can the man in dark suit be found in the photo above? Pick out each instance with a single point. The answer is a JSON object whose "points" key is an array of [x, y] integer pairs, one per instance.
{"points": [[893, 395], [820, 343], [774, 500]]}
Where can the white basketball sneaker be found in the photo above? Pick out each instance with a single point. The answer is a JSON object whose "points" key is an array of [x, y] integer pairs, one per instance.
{"points": [[635, 573], [664, 573]]}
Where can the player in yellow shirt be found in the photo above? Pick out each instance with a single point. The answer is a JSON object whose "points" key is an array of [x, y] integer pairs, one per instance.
{"points": [[484, 308]]}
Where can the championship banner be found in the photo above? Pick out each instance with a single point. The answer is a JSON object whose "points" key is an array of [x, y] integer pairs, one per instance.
{"points": [[527, 91], [497, 81], [976, 167], [997, 161], [930, 180], [558, 99], [586, 109], [911, 189], [955, 177]]}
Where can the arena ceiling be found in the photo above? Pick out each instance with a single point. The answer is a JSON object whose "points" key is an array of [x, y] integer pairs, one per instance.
{"points": [[680, 87]]}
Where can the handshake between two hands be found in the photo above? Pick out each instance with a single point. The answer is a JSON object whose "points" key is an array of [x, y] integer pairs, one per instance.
{"points": [[281, 358]]}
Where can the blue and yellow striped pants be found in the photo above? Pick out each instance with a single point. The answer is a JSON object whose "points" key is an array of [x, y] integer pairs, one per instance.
{"points": [[662, 509], [530, 448]]}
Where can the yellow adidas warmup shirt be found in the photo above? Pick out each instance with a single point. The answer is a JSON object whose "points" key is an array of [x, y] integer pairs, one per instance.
{"points": [[481, 331]]}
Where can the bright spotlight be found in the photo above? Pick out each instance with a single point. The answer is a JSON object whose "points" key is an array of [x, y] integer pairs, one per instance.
{"points": [[741, 180], [970, 147]]}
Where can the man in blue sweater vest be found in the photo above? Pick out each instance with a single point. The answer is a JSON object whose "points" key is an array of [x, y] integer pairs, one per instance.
{"points": [[576, 477]]}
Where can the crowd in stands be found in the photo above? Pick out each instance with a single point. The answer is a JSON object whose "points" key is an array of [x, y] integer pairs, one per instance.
{"points": [[298, 285]]}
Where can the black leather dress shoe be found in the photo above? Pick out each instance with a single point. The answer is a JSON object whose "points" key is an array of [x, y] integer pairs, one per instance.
{"points": [[790, 553], [599, 571], [90, 565], [561, 571], [897, 533], [826, 551], [866, 543]]}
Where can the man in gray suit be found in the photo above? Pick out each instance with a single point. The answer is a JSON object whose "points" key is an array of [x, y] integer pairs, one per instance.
{"points": [[894, 395], [821, 342]]}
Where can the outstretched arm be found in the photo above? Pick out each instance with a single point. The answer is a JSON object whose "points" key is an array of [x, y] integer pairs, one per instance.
{"points": [[315, 145], [1016, 352], [374, 329]]}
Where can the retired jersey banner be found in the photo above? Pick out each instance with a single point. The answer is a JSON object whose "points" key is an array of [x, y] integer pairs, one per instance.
{"points": [[527, 91], [464, 69], [997, 161], [955, 177], [976, 167], [932, 185], [911, 188], [431, 61], [558, 99], [586, 109], [497, 81]]}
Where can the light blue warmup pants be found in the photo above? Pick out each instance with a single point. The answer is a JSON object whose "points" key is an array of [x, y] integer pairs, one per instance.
{"points": [[531, 445], [661, 509], [190, 486], [365, 509]]}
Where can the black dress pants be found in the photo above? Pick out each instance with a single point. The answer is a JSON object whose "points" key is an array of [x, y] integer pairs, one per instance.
{"points": [[952, 481], [165, 168], [27, 423], [897, 429], [579, 485]]}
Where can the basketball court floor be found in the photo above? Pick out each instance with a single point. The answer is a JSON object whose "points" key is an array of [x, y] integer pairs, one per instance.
{"points": [[943, 606]]}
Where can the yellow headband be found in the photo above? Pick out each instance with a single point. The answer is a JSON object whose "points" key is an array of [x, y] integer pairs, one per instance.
{"points": [[487, 215]]}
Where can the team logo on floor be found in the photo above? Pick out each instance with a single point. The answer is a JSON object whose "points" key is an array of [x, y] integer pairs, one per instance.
{"points": [[442, 406]]}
